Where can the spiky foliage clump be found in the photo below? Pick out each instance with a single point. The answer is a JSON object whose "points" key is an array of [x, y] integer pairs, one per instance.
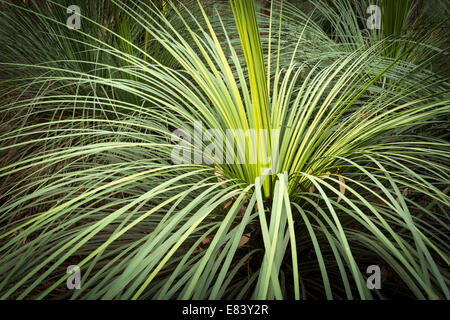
{"points": [[88, 178]]}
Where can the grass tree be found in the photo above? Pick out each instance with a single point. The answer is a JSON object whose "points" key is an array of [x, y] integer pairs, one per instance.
{"points": [[88, 177]]}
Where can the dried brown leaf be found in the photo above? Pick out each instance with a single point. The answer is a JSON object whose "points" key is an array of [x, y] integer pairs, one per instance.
{"points": [[341, 188], [244, 239]]}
